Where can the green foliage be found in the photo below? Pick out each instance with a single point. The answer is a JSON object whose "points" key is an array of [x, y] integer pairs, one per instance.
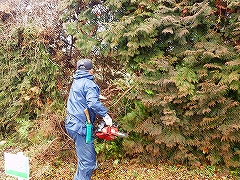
{"points": [[28, 82], [184, 59], [107, 149], [185, 80]]}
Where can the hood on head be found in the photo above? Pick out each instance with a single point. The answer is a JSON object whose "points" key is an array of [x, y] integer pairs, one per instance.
{"points": [[82, 74]]}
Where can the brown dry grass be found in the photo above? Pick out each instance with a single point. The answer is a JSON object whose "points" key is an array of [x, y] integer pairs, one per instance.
{"points": [[49, 163]]}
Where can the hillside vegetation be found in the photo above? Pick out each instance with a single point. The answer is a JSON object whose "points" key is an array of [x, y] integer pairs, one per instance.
{"points": [[170, 70]]}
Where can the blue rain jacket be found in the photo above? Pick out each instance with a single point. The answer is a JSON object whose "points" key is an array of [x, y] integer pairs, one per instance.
{"points": [[84, 93]]}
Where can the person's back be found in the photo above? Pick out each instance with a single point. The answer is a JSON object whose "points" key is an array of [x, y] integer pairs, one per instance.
{"points": [[84, 94]]}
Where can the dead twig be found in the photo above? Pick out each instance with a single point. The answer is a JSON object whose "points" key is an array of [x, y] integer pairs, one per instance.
{"points": [[45, 150], [129, 89]]}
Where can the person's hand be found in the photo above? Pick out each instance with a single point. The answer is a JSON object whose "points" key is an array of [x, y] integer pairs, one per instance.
{"points": [[108, 120]]}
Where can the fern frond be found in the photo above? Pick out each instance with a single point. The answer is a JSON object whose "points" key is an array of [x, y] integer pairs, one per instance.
{"points": [[214, 66], [233, 63], [167, 30]]}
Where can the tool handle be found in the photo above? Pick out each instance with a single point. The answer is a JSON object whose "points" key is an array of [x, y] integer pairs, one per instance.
{"points": [[88, 133], [88, 127], [87, 115]]}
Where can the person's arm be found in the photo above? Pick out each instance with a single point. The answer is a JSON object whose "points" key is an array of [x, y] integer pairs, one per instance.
{"points": [[93, 102]]}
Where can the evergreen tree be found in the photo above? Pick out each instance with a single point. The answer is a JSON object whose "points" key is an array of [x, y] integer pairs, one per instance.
{"points": [[28, 82], [184, 58]]}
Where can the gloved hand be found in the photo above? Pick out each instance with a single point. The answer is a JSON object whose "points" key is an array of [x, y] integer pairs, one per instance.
{"points": [[108, 120]]}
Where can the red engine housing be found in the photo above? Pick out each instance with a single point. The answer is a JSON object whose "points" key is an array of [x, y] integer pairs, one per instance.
{"points": [[107, 133]]}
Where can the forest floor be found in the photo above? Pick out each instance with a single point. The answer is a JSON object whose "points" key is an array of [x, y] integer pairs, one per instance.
{"points": [[123, 170], [134, 171]]}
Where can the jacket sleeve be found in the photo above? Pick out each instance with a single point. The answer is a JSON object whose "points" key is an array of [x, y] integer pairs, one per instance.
{"points": [[93, 101]]}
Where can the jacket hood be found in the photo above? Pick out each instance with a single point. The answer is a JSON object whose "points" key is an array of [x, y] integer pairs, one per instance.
{"points": [[82, 74]]}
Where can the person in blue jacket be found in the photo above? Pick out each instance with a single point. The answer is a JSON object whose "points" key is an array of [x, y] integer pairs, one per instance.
{"points": [[84, 93]]}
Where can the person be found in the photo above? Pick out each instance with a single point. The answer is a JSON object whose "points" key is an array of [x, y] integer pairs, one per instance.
{"points": [[84, 93]]}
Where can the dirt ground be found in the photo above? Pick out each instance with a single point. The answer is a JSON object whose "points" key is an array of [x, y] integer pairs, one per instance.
{"points": [[62, 166], [124, 170]]}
